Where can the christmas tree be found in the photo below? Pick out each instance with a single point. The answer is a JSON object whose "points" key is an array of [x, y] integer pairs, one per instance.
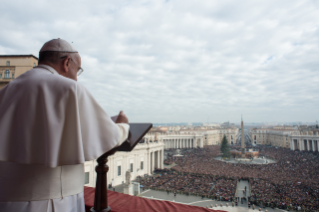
{"points": [[224, 148]]}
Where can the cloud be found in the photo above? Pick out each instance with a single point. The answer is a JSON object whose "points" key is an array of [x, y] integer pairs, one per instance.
{"points": [[174, 61]]}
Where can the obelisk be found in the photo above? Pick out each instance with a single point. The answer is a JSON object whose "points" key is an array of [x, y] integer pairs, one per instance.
{"points": [[242, 138]]}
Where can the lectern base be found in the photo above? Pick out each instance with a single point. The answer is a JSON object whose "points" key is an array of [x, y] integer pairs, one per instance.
{"points": [[104, 210]]}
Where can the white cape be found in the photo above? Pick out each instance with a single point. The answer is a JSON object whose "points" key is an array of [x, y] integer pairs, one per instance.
{"points": [[51, 120]]}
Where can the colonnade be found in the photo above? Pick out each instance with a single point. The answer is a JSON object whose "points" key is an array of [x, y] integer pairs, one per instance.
{"points": [[178, 143], [156, 159], [304, 144]]}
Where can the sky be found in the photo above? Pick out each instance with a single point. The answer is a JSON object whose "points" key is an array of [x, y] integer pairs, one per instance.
{"points": [[181, 60]]}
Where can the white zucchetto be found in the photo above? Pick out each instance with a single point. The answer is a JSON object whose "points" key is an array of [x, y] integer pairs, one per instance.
{"points": [[58, 45]]}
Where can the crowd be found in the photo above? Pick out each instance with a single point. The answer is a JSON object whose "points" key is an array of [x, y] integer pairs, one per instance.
{"points": [[290, 182], [202, 185]]}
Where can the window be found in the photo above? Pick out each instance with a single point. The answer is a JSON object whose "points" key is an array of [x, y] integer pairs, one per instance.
{"points": [[118, 170], [0, 75], [7, 74], [142, 165], [34, 64], [131, 167], [12, 76], [87, 178], [8, 63]]}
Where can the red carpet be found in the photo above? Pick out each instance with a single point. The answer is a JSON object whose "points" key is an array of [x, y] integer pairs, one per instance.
{"points": [[122, 202]]}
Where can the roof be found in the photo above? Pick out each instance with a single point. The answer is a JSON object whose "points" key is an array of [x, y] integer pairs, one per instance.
{"points": [[19, 55], [126, 203]]}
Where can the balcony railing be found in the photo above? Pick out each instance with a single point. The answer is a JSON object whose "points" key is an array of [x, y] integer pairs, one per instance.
{"points": [[6, 79]]}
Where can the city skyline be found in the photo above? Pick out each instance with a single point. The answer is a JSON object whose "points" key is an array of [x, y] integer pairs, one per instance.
{"points": [[183, 61]]}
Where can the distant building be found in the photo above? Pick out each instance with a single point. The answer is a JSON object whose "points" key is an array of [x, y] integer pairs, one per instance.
{"points": [[12, 66], [211, 125], [143, 159], [276, 136], [193, 137], [305, 139]]}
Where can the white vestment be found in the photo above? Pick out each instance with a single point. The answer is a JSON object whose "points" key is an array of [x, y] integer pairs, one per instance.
{"points": [[49, 126]]}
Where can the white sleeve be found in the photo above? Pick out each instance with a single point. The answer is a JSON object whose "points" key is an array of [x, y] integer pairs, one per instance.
{"points": [[98, 131], [124, 130]]}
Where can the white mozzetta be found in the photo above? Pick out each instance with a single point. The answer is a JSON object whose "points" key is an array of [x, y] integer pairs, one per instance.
{"points": [[50, 120]]}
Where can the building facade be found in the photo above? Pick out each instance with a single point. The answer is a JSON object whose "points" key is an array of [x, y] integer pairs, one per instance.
{"points": [[193, 138], [276, 136], [144, 159], [12, 66], [305, 140]]}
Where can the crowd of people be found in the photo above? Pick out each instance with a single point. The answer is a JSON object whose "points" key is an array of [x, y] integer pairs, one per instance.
{"points": [[290, 182], [202, 185]]}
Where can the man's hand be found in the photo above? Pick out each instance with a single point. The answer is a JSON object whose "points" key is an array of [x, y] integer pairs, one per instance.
{"points": [[121, 118]]}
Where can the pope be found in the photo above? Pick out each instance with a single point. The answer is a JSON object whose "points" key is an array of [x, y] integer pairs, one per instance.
{"points": [[49, 126]]}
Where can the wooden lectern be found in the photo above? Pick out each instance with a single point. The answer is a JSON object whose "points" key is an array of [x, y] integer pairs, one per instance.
{"points": [[137, 131]]}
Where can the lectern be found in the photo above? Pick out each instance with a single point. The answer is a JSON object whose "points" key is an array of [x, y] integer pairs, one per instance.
{"points": [[137, 131]]}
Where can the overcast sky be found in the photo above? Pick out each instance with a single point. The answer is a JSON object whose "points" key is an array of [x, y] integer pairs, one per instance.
{"points": [[183, 60]]}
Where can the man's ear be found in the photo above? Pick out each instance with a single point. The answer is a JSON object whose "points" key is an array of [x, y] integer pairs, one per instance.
{"points": [[66, 64]]}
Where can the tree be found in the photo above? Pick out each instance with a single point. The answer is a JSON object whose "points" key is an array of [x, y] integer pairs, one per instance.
{"points": [[224, 148]]}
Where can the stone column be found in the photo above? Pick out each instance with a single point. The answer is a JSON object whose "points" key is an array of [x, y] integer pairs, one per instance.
{"points": [[157, 159], [313, 145], [162, 162], [149, 163], [161, 159], [292, 146], [242, 138], [159, 154], [153, 161]]}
